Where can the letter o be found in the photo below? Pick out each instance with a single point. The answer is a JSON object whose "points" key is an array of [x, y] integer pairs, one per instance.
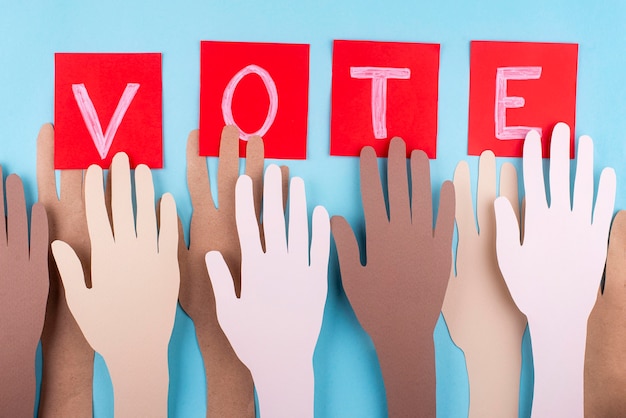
{"points": [[227, 100]]}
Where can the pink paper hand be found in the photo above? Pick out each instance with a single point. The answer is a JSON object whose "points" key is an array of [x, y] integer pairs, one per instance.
{"points": [[230, 390], [553, 276], [274, 325]]}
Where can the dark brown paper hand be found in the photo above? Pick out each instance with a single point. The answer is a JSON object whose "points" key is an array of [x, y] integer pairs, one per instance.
{"points": [[229, 383], [398, 294], [67, 377], [23, 294]]}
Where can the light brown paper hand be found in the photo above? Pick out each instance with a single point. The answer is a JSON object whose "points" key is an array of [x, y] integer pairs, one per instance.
{"points": [[605, 356], [398, 294], [229, 383], [23, 294], [481, 316], [67, 376], [128, 314]]}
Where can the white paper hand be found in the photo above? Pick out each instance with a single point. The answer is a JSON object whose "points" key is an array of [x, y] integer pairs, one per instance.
{"points": [[553, 276], [275, 324]]}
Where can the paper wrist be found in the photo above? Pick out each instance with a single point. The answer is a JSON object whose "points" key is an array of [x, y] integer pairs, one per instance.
{"points": [[286, 391], [140, 384]]}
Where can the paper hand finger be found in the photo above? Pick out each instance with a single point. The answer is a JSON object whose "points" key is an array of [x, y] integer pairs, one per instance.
{"points": [[71, 272], [486, 193]]}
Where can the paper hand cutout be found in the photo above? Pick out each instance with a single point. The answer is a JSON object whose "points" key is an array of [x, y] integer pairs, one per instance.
{"points": [[128, 314], [67, 376], [605, 356], [553, 276], [230, 390], [274, 325], [481, 316], [398, 294], [23, 294]]}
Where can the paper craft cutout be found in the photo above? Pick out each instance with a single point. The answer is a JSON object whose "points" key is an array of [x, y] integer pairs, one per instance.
{"points": [[516, 87], [480, 314], [128, 314], [229, 383], [106, 103], [23, 294], [384, 89], [273, 327], [553, 276], [67, 374], [261, 88], [605, 355], [397, 295]]}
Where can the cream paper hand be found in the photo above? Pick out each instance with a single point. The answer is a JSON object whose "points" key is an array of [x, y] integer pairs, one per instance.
{"points": [[128, 313]]}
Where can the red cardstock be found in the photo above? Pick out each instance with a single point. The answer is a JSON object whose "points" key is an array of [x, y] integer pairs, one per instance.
{"points": [[381, 90], [515, 86], [261, 88], [112, 90]]}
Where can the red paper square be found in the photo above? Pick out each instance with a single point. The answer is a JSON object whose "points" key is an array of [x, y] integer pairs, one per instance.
{"points": [[241, 68], [411, 96], [106, 80], [547, 100]]}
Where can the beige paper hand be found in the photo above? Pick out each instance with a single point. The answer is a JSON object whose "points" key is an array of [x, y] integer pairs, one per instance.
{"points": [[67, 375], [229, 383], [274, 325], [480, 314], [128, 314], [23, 294], [554, 275], [398, 294], [605, 356]]}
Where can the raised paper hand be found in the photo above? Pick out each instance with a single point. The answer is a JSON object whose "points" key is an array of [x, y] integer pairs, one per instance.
{"points": [[553, 276], [67, 376], [128, 314], [481, 316], [274, 325], [605, 356], [229, 383], [23, 294], [398, 294]]}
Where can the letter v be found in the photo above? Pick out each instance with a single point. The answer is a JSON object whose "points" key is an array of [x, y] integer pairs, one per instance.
{"points": [[90, 116]]}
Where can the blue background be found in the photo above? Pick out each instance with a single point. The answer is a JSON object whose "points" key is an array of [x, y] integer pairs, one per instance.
{"points": [[348, 379]]}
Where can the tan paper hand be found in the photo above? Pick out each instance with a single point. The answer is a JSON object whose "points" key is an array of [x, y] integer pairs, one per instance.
{"points": [[605, 356], [480, 314], [67, 376], [23, 294], [229, 383], [128, 314], [398, 294]]}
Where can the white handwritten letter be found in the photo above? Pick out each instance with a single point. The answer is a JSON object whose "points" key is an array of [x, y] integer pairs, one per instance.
{"points": [[227, 99], [379, 76], [90, 116], [504, 102]]}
